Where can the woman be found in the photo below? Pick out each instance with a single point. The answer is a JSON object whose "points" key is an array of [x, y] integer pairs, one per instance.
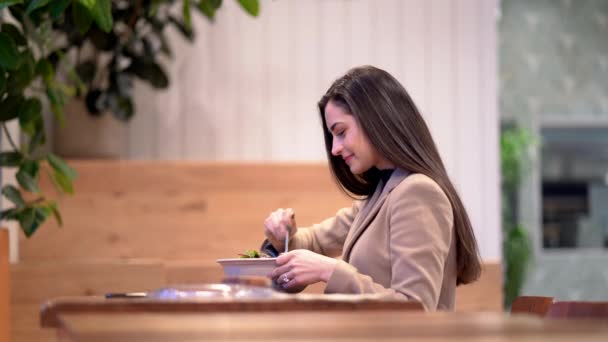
{"points": [[410, 236]]}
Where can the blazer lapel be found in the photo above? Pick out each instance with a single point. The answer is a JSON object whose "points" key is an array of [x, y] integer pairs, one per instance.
{"points": [[370, 210]]}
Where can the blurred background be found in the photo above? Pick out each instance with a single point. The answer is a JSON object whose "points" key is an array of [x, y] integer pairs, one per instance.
{"points": [[553, 85]]}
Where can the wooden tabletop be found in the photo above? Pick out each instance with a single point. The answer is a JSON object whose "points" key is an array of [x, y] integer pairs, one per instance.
{"points": [[323, 326], [52, 310]]}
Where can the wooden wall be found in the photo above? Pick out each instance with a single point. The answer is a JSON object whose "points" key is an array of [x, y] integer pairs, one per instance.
{"points": [[134, 209], [5, 282]]}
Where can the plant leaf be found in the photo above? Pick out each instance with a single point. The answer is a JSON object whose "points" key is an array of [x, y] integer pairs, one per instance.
{"points": [[57, 8], [9, 214], [53, 207], [30, 116], [6, 3], [188, 33], [153, 9], [20, 78], [9, 55], [2, 80], [10, 159], [82, 17], [31, 167], [30, 220], [251, 6], [35, 4], [14, 33], [86, 71], [206, 7], [64, 183], [186, 14], [45, 69], [151, 72], [102, 13], [57, 102], [14, 195], [62, 167], [121, 106], [27, 182], [10, 107], [38, 139]]}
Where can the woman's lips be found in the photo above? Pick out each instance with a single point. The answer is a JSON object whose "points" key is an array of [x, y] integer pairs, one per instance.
{"points": [[348, 158]]}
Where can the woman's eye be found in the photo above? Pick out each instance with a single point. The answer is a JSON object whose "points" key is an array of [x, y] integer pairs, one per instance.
{"points": [[341, 133]]}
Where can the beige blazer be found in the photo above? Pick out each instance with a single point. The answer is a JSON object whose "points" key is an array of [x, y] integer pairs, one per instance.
{"points": [[398, 243]]}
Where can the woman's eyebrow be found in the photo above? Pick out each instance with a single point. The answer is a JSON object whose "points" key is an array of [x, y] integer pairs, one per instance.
{"points": [[334, 125]]}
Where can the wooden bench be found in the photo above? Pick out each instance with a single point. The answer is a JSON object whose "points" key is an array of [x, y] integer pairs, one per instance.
{"points": [[136, 225]]}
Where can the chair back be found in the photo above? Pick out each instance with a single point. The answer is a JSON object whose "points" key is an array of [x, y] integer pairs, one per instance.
{"points": [[582, 310], [534, 305]]}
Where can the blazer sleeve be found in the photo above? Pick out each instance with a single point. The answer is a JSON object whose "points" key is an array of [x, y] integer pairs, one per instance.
{"points": [[420, 224], [327, 237]]}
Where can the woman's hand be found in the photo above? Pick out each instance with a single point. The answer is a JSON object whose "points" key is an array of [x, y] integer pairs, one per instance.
{"points": [[277, 225], [301, 267]]}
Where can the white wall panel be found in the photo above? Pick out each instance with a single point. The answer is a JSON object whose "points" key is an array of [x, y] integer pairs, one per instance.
{"points": [[306, 59], [468, 168], [415, 49], [247, 89], [280, 108]]}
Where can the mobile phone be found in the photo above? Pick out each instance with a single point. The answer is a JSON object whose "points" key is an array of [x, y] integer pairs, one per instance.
{"points": [[126, 295]]}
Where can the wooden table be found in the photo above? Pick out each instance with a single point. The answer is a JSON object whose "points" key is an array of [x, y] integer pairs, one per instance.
{"points": [[52, 310], [321, 326], [95, 319]]}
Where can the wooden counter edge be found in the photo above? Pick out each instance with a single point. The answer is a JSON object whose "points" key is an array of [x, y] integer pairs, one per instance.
{"points": [[50, 311]]}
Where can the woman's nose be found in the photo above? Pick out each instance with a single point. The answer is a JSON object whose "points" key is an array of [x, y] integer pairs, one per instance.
{"points": [[336, 148]]}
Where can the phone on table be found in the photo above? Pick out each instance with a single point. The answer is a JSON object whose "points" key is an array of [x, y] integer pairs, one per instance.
{"points": [[126, 295]]}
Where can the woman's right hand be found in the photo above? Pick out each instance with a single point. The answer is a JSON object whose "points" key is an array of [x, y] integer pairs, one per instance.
{"points": [[277, 225]]}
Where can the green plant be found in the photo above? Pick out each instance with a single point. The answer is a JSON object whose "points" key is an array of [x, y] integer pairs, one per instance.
{"points": [[42, 43], [515, 144], [108, 61]]}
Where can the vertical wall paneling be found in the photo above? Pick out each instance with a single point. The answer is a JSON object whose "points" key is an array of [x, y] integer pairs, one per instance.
{"points": [[169, 132], [251, 81], [359, 33], [415, 47], [278, 95], [198, 126], [441, 108], [488, 83], [386, 32], [469, 167], [142, 128], [332, 41], [225, 50], [305, 126]]}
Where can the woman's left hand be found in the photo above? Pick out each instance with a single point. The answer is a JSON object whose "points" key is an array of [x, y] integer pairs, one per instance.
{"points": [[301, 267]]}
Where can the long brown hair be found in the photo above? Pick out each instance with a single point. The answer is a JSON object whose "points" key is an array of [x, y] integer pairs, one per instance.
{"points": [[392, 123]]}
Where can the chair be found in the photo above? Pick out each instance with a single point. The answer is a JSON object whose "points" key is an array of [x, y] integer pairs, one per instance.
{"points": [[578, 310], [533, 305]]}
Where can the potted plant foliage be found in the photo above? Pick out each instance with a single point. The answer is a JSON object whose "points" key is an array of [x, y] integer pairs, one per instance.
{"points": [[515, 144], [42, 43]]}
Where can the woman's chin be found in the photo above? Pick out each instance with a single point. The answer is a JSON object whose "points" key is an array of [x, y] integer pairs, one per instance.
{"points": [[354, 169]]}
